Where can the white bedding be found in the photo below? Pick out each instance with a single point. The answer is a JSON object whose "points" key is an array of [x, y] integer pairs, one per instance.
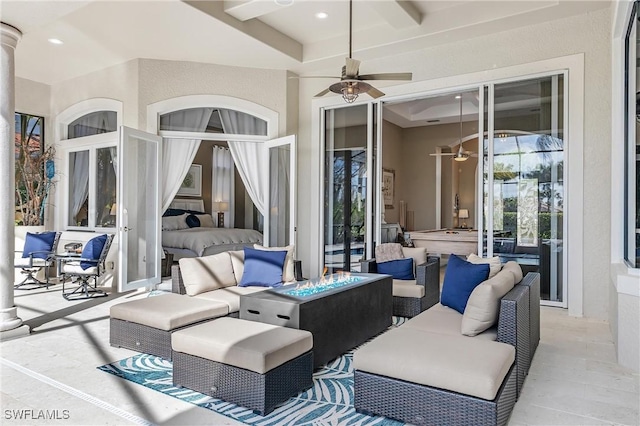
{"points": [[199, 239]]}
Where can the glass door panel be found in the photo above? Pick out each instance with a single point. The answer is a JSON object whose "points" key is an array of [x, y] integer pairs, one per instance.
{"points": [[281, 192], [138, 209], [345, 198], [524, 179]]}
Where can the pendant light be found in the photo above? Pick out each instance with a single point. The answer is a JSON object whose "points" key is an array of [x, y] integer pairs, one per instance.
{"points": [[460, 155]]}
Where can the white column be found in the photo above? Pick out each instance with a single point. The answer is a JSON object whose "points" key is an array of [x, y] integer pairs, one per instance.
{"points": [[10, 324]]}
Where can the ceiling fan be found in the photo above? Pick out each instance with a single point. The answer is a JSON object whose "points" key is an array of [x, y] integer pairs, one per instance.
{"points": [[351, 83], [460, 155]]}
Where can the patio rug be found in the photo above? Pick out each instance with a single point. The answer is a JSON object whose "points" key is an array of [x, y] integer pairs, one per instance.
{"points": [[328, 402]]}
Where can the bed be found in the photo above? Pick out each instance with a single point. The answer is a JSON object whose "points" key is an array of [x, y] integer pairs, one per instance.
{"points": [[189, 232]]}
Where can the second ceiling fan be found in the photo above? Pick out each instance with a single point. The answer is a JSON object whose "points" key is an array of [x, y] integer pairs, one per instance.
{"points": [[351, 83]]}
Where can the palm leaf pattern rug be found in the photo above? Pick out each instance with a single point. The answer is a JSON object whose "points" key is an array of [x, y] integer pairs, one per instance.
{"points": [[328, 402]]}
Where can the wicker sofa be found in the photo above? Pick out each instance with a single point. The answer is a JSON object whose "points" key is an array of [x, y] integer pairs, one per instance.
{"points": [[426, 372]]}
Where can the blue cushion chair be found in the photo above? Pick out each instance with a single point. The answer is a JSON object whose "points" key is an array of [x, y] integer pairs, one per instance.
{"points": [[38, 254], [416, 276], [85, 270]]}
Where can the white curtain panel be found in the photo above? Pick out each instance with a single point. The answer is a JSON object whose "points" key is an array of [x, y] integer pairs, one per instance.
{"points": [[93, 123], [79, 182], [222, 180], [248, 156], [178, 154], [279, 196]]}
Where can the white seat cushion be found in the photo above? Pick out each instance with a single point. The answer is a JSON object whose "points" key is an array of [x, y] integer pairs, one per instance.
{"points": [[76, 269], [168, 311], [25, 262], [246, 344], [407, 288], [456, 363], [229, 295], [207, 273], [495, 265], [444, 320]]}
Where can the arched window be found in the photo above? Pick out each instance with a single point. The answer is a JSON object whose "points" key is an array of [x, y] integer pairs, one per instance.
{"points": [[93, 123]]}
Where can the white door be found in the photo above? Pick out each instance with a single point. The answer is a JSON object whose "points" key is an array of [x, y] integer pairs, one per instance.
{"points": [[138, 219], [279, 220]]}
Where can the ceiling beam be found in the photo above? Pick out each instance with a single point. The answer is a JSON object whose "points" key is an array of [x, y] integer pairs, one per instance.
{"points": [[243, 10], [252, 27], [399, 13]]}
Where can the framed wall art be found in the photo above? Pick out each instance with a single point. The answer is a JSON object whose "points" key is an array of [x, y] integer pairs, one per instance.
{"points": [[192, 183], [388, 187]]}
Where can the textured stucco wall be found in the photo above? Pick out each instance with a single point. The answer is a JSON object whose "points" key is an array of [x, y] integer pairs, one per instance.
{"points": [[589, 34], [161, 80]]}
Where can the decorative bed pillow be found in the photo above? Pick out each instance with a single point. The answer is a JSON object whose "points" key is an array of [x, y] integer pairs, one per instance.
{"points": [[175, 223], [92, 250], [399, 269], [460, 278], [481, 312], [388, 251], [288, 273], [262, 268], [41, 242], [193, 221], [206, 221], [494, 263]]}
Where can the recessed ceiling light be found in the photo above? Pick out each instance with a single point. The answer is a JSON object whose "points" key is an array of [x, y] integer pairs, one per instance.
{"points": [[458, 96], [322, 15], [283, 2], [55, 41]]}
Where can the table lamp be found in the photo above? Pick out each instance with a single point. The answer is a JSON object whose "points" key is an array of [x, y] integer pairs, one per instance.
{"points": [[463, 214], [221, 206]]}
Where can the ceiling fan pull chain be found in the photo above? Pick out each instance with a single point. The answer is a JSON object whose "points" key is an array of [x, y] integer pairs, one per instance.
{"points": [[350, 26]]}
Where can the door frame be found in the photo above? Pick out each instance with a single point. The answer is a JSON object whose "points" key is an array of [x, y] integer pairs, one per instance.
{"points": [[574, 192]]}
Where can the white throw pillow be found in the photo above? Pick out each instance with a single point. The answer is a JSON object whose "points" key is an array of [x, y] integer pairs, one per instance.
{"points": [[206, 221], [288, 274], [175, 223], [515, 269], [481, 312], [419, 255], [206, 273], [494, 263]]}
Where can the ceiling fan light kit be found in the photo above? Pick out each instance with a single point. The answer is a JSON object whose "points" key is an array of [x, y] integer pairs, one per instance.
{"points": [[351, 82]]}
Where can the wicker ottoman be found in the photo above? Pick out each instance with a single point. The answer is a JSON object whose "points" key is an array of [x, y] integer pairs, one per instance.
{"points": [[145, 325], [248, 363]]}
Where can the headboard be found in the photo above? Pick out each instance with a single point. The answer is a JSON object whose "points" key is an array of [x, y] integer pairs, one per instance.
{"points": [[195, 204]]}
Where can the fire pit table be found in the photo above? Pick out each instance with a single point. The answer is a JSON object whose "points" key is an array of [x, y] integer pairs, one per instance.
{"points": [[341, 312]]}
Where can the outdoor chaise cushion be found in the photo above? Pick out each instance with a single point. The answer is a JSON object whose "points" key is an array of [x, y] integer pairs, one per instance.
{"points": [[168, 311], [246, 344], [444, 320], [229, 295], [482, 308], [207, 273], [456, 363]]}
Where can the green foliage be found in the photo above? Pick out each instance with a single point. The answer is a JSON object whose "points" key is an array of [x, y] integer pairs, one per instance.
{"points": [[510, 223]]}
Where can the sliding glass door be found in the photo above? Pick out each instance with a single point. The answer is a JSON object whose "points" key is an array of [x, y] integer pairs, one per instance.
{"points": [[347, 167], [523, 175]]}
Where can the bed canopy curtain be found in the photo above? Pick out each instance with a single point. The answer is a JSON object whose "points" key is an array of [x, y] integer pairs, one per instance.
{"points": [[178, 154], [222, 181], [247, 156]]}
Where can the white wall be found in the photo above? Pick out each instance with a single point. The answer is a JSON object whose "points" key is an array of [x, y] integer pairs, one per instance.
{"points": [[589, 34]]}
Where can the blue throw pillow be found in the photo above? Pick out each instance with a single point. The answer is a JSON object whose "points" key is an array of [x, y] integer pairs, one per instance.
{"points": [[92, 250], [42, 242], [460, 278], [193, 221], [399, 269], [262, 268]]}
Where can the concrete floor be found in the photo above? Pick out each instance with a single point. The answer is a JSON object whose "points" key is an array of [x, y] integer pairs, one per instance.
{"points": [[574, 378]]}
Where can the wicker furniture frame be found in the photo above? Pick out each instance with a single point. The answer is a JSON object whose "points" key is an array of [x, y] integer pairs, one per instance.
{"points": [[258, 392], [427, 275], [424, 405], [518, 325]]}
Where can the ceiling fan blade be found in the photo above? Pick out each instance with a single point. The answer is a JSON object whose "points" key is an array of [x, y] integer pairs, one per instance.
{"points": [[374, 93], [314, 76], [352, 67], [442, 154], [387, 76], [324, 92]]}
